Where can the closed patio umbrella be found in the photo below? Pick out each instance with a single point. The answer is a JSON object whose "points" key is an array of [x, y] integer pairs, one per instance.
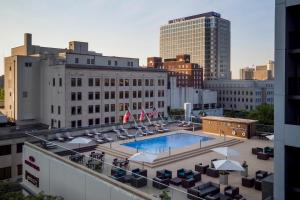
{"points": [[270, 137], [80, 140]]}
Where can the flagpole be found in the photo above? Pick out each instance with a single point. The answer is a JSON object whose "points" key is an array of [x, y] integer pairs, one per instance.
{"points": [[132, 117], [147, 116]]}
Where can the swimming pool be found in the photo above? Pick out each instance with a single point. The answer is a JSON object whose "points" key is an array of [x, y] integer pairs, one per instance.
{"points": [[161, 144]]}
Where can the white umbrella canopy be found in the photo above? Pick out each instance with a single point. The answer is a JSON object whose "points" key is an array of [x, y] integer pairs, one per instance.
{"points": [[270, 137], [226, 151], [80, 140], [143, 157], [230, 165]]}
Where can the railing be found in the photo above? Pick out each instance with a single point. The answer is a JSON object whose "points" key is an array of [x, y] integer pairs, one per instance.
{"points": [[101, 166]]}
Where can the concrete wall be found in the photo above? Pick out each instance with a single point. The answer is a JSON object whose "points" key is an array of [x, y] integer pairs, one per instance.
{"points": [[59, 178]]}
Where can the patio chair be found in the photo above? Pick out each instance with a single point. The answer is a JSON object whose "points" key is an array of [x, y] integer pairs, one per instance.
{"points": [[107, 138], [59, 137], [139, 172], [138, 181], [231, 191], [87, 133], [68, 136], [98, 140], [248, 182], [147, 130], [262, 156], [126, 134], [160, 183], [260, 174], [201, 168], [96, 132], [256, 150], [164, 174], [140, 131]]}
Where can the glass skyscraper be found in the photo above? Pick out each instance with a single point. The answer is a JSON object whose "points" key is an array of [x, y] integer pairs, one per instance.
{"points": [[205, 37]]}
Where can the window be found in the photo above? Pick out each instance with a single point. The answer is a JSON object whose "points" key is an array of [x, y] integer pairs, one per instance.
{"points": [[112, 120], [91, 109], [140, 82], [52, 109], [78, 123], [106, 120], [112, 107], [146, 93], [19, 170], [79, 110], [58, 110], [112, 95], [53, 82], [91, 95], [73, 96], [58, 124], [79, 96], [146, 82], [121, 107], [146, 105], [5, 150], [134, 106], [24, 94], [97, 95], [5, 173], [20, 147], [139, 94], [28, 64], [79, 82], [73, 82], [97, 108], [121, 82], [126, 94], [151, 104], [92, 61], [88, 61], [106, 108], [151, 93], [134, 82], [91, 82], [139, 105], [97, 121], [121, 95], [73, 110], [112, 82], [76, 60], [73, 124], [97, 81], [60, 82], [134, 94], [106, 95], [116, 63], [106, 82], [151, 82], [91, 122], [109, 62], [126, 82]]}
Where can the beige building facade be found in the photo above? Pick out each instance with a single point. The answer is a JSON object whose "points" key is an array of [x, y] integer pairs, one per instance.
{"points": [[75, 87], [259, 72]]}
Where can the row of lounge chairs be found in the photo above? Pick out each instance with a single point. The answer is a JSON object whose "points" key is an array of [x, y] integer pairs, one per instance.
{"points": [[62, 137], [185, 124]]}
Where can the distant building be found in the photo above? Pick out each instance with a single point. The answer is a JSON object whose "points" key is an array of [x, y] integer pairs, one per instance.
{"points": [[260, 72], [287, 100], [188, 74], [247, 73], [76, 87], [205, 37], [242, 94]]}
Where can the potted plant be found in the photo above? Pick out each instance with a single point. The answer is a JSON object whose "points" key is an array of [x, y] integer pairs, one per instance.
{"points": [[223, 177], [164, 195], [245, 166]]}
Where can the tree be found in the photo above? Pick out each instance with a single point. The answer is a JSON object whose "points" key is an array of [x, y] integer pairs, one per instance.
{"points": [[264, 113]]}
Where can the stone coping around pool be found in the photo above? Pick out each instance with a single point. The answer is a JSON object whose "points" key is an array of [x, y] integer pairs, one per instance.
{"points": [[118, 150]]}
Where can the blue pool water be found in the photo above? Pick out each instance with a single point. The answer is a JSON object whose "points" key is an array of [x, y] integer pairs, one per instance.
{"points": [[161, 144]]}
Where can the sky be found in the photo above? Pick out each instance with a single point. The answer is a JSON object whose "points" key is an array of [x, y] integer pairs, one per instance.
{"points": [[130, 28]]}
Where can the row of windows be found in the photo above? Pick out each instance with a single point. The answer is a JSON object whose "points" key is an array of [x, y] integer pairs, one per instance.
{"points": [[236, 92], [112, 82], [6, 149], [58, 109], [5, 172], [59, 82], [235, 99]]}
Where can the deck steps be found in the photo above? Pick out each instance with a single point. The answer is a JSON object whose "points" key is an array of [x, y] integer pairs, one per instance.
{"points": [[172, 158]]}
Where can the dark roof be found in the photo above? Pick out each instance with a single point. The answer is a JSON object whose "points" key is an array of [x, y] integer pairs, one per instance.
{"points": [[143, 69], [207, 14]]}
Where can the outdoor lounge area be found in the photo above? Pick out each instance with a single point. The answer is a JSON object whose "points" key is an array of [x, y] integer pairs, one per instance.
{"points": [[185, 177]]}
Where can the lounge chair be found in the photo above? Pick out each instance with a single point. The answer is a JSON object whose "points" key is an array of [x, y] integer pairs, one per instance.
{"points": [[107, 138], [98, 140], [96, 132], [159, 130], [59, 137], [164, 128], [120, 136], [68, 136], [148, 131], [126, 134], [122, 128], [87, 133], [140, 130], [188, 124], [161, 122], [114, 129], [181, 123]]}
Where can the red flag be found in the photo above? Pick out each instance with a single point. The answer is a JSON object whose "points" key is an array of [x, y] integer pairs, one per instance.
{"points": [[142, 116], [126, 117], [153, 113]]}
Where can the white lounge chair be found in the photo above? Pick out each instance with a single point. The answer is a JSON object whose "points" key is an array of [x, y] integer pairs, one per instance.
{"points": [[148, 131], [68, 136], [95, 132], [181, 123], [122, 128], [188, 124], [59, 137], [107, 138], [140, 131], [159, 130], [120, 136], [97, 139], [126, 134], [87, 133]]}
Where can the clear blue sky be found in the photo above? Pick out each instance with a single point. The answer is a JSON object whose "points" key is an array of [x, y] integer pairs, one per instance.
{"points": [[131, 27]]}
